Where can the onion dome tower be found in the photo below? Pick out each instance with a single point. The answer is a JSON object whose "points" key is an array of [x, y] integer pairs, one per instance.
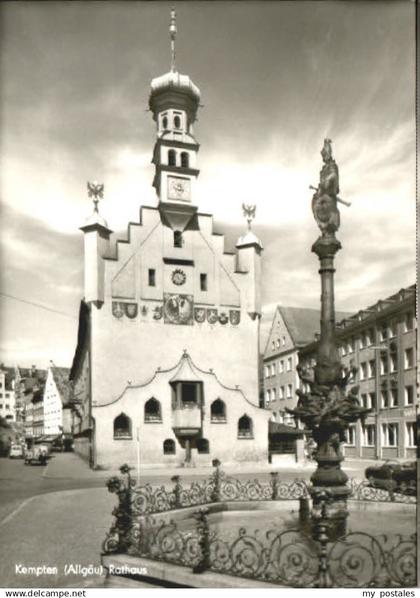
{"points": [[174, 101]]}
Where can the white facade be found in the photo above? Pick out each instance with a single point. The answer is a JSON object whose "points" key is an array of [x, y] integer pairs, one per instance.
{"points": [[55, 392], [7, 399], [168, 295]]}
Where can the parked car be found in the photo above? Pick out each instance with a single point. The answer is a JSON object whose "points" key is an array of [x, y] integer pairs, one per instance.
{"points": [[35, 456], [394, 477], [16, 451]]}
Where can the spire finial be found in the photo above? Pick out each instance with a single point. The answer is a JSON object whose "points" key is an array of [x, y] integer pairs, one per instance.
{"points": [[172, 32]]}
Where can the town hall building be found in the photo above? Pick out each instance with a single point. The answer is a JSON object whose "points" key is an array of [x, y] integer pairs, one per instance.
{"points": [[166, 365]]}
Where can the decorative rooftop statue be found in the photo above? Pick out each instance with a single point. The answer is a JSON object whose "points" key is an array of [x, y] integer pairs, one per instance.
{"points": [[249, 213]]}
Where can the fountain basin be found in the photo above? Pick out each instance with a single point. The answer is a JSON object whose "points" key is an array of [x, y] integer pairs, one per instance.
{"points": [[260, 544]]}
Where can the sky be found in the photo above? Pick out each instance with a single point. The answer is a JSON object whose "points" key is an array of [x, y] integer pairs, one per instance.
{"points": [[276, 77]]}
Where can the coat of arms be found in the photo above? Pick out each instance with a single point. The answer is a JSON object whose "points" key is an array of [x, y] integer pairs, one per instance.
{"points": [[158, 312], [117, 309], [223, 319], [212, 315], [234, 316], [178, 309], [200, 314], [131, 310]]}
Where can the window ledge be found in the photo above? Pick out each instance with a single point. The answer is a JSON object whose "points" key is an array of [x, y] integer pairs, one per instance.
{"points": [[152, 421], [245, 438], [123, 438], [218, 421]]}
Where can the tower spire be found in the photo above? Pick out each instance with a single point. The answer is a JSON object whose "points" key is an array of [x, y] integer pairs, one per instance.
{"points": [[172, 31]]}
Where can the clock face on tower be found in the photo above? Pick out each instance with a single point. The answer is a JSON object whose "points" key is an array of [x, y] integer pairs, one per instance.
{"points": [[179, 188]]}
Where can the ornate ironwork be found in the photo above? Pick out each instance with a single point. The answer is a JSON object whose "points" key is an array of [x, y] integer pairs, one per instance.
{"points": [[288, 558], [292, 557], [360, 560], [364, 491]]}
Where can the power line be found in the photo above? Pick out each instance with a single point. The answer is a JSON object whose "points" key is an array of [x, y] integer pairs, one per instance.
{"points": [[56, 311]]}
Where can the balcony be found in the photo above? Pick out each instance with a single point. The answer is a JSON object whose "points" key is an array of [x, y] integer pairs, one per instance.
{"points": [[186, 421]]}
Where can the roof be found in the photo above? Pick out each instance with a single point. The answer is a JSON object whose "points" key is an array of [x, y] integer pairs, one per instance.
{"points": [[277, 428], [382, 305], [61, 379], [303, 323], [176, 81], [185, 371]]}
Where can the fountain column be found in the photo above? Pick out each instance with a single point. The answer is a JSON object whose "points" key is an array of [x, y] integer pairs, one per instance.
{"points": [[326, 409]]}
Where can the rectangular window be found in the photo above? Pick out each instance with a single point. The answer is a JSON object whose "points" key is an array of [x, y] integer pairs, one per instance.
{"points": [[409, 395], [268, 396], [350, 346], [189, 394], [351, 435], [394, 362], [394, 397], [281, 392], [410, 434], [203, 282], [384, 399], [343, 350], [289, 391], [370, 335], [371, 368], [267, 371], [408, 322], [368, 435], [152, 277], [390, 434], [274, 393], [383, 334], [408, 358], [384, 365], [392, 329], [273, 369], [289, 364], [281, 366], [363, 371]]}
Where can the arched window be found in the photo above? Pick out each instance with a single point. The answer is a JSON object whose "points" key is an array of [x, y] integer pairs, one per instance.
{"points": [[245, 427], [165, 122], [152, 412], [169, 447], [185, 160], [178, 239], [203, 446], [172, 157], [177, 122], [218, 411], [122, 426]]}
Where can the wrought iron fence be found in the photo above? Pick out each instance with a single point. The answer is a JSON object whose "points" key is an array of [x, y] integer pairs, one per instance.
{"points": [[290, 557]]}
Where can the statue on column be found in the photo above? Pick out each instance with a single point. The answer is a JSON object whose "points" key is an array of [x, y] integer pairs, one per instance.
{"points": [[324, 200]]}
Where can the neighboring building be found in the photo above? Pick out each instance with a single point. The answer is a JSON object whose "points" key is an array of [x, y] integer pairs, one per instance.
{"points": [[292, 328], [166, 365], [56, 407], [381, 342], [7, 394], [29, 389]]}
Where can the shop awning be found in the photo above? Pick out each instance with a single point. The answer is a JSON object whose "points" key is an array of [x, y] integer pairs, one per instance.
{"points": [[277, 429]]}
